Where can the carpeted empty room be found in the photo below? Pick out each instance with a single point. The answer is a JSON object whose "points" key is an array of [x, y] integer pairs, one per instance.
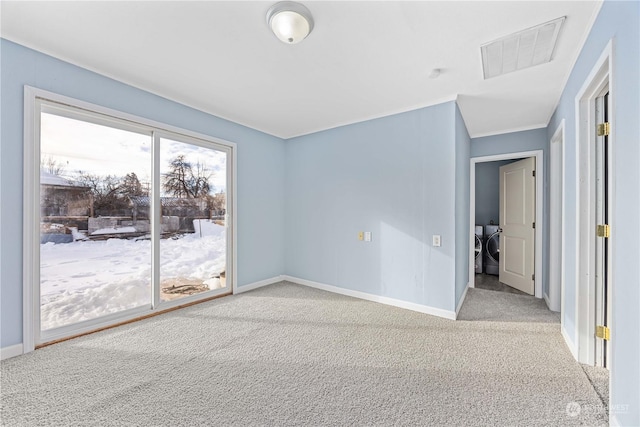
{"points": [[286, 354]]}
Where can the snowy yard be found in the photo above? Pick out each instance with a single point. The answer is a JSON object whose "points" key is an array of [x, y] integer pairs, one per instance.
{"points": [[88, 279]]}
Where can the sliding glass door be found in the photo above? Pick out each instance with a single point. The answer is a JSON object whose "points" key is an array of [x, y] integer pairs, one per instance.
{"points": [[132, 219], [94, 259], [193, 233]]}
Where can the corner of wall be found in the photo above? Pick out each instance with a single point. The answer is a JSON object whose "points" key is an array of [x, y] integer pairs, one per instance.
{"points": [[462, 200]]}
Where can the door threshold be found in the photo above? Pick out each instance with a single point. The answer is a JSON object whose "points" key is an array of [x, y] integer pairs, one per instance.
{"points": [[126, 322]]}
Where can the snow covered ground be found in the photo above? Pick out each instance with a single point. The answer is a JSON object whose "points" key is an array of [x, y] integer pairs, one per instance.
{"points": [[112, 230], [87, 279]]}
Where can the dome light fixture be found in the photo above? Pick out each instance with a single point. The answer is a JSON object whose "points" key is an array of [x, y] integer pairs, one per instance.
{"points": [[291, 22]]}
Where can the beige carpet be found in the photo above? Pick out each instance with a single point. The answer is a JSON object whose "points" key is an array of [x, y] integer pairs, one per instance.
{"points": [[493, 306], [289, 355]]}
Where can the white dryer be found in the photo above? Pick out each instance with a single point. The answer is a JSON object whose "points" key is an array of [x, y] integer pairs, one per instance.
{"points": [[492, 249], [479, 249]]}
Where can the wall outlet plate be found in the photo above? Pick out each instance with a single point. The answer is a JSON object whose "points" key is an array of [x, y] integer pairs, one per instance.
{"points": [[360, 235], [367, 236], [436, 240]]}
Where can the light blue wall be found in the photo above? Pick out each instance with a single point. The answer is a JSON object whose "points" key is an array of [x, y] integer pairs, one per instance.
{"points": [[488, 191], [260, 167], [619, 21], [463, 150], [394, 176]]}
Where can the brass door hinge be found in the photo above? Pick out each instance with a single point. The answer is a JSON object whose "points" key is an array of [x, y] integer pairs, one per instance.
{"points": [[603, 230], [604, 129], [603, 332]]}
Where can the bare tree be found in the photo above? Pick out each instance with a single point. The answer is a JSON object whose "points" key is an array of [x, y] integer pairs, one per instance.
{"points": [[130, 186], [51, 165], [110, 192], [186, 180], [199, 182], [105, 191]]}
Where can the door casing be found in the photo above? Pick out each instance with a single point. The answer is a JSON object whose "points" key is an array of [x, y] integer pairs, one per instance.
{"points": [[539, 155], [556, 300], [600, 77]]}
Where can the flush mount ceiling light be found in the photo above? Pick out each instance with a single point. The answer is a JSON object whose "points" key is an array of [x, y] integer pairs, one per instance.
{"points": [[291, 22], [533, 46]]}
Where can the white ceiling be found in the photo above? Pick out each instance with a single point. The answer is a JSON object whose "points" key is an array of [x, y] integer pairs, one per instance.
{"points": [[362, 60]]}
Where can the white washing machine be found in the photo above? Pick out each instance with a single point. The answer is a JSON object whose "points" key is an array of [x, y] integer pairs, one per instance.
{"points": [[492, 249], [479, 249]]}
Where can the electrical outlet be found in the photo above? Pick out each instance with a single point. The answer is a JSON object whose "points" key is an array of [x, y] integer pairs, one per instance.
{"points": [[436, 240], [367, 236], [361, 235]]}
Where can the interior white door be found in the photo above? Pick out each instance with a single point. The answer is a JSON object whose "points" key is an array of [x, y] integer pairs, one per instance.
{"points": [[517, 221], [602, 245]]}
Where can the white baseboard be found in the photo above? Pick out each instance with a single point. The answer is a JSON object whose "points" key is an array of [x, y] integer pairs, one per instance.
{"points": [[11, 351], [570, 344], [464, 295], [375, 298], [256, 285]]}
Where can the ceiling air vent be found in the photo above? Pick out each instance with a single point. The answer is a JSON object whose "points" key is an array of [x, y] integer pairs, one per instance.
{"points": [[533, 46]]}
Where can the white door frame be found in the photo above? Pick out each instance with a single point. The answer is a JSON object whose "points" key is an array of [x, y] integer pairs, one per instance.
{"points": [[539, 155], [555, 298], [585, 303]]}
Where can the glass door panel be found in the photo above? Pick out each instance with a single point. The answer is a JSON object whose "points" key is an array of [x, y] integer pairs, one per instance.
{"points": [[193, 229], [95, 249]]}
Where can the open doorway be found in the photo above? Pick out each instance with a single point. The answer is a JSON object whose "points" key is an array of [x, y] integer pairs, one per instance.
{"points": [[485, 226], [488, 227]]}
